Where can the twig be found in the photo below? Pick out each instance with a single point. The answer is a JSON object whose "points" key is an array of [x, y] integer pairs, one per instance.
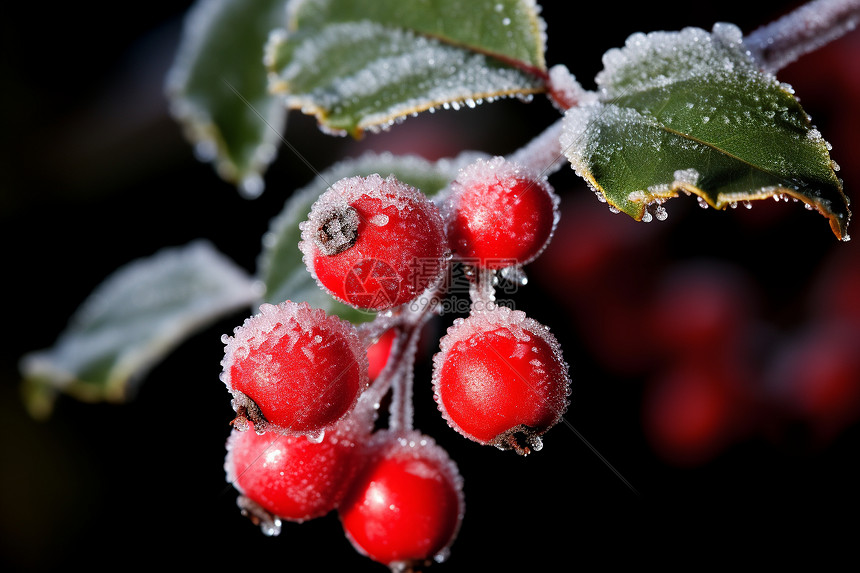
{"points": [[802, 31]]}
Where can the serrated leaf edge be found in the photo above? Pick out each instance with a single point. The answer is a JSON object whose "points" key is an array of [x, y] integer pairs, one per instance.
{"points": [[383, 121]]}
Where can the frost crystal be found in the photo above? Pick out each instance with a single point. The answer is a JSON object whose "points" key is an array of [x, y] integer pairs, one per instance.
{"points": [[384, 74], [137, 316]]}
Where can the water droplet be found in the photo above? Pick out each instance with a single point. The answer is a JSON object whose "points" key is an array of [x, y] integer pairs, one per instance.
{"points": [[442, 556], [205, 150], [316, 437], [535, 443], [271, 528], [252, 186], [515, 274], [380, 220]]}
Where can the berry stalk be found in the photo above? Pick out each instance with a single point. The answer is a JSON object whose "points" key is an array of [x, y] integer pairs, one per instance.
{"points": [[802, 31]]}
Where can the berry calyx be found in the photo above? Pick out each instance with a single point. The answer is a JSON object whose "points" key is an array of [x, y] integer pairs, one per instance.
{"points": [[294, 369], [289, 477], [499, 379], [499, 214], [406, 505], [374, 243]]}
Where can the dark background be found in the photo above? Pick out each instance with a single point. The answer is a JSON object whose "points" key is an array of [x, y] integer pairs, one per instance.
{"points": [[95, 174]]}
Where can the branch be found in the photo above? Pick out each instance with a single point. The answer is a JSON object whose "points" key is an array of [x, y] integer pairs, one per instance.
{"points": [[543, 154], [802, 31]]}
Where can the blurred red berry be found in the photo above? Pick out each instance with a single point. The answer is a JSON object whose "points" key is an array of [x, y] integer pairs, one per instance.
{"points": [[691, 411]]}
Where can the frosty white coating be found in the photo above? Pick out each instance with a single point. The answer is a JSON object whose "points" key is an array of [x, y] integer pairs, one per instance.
{"points": [[139, 314], [803, 30], [754, 101], [193, 111], [390, 59]]}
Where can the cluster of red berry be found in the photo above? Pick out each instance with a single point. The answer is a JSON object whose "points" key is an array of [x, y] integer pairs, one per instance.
{"points": [[307, 387]]}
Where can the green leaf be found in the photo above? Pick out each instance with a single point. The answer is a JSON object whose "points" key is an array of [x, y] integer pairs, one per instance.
{"points": [[131, 321], [366, 65], [691, 112], [218, 89], [280, 265]]}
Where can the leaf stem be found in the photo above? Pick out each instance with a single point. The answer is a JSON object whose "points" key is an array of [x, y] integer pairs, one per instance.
{"points": [[804, 30]]}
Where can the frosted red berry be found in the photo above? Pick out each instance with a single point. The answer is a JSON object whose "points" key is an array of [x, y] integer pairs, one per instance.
{"points": [[374, 243], [500, 379], [406, 505], [499, 214], [289, 477], [293, 368]]}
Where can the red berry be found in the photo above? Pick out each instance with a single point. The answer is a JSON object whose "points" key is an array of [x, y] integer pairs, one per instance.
{"points": [[378, 353], [700, 307], [500, 379], [816, 376], [499, 214], [833, 292], [293, 368], [691, 412], [374, 243], [288, 477], [406, 505]]}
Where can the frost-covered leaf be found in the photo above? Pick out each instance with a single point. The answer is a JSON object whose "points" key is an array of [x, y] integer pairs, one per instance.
{"points": [[691, 112], [365, 65], [280, 265], [218, 90], [133, 320]]}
